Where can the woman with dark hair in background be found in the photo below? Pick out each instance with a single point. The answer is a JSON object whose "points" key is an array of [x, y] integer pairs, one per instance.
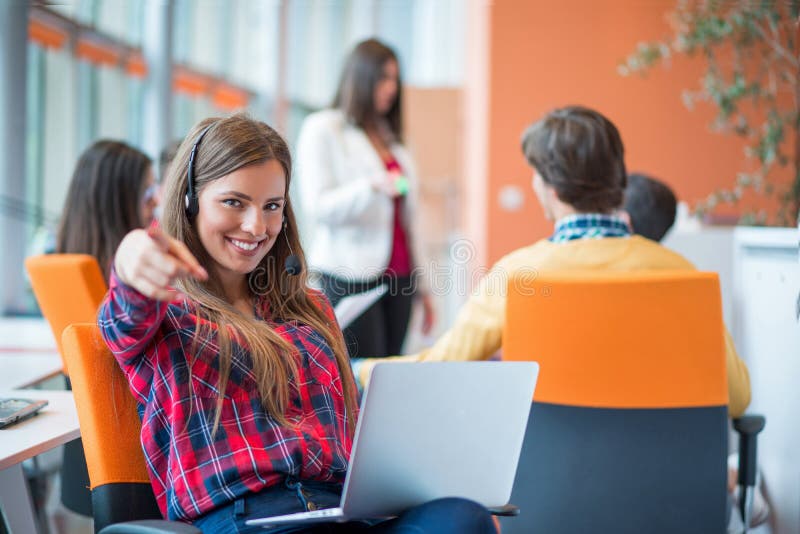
{"points": [[113, 191], [358, 190]]}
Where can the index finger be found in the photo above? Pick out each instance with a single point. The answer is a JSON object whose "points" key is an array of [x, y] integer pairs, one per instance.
{"points": [[181, 251], [154, 232], [177, 250]]}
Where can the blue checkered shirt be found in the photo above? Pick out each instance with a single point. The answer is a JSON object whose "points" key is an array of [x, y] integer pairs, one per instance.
{"points": [[589, 226]]}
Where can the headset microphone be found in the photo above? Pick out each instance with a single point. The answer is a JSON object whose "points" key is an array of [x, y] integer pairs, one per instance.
{"points": [[292, 264]]}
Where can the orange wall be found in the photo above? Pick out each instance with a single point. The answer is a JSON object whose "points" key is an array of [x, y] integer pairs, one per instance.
{"points": [[432, 123], [546, 54]]}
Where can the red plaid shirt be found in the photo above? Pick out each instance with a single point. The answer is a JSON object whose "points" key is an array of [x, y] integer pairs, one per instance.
{"points": [[193, 472]]}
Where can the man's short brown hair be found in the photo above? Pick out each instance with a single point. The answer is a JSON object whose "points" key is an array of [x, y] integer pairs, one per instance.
{"points": [[579, 153]]}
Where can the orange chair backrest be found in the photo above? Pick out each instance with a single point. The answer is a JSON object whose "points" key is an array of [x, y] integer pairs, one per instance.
{"points": [[69, 288], [110, 425], [651, 339]]}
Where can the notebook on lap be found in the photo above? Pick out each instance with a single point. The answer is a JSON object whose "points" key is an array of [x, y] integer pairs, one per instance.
{"points": [[432, 430]]}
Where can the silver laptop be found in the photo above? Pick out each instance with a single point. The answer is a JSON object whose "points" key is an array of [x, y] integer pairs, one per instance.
{"points": [[432, 430]]}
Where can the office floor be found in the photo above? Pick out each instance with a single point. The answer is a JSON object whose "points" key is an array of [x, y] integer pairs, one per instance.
{"points": [[63, 521], [59, 519]]}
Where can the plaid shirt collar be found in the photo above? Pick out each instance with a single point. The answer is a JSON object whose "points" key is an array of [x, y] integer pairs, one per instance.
{"points": [[589, 226]]}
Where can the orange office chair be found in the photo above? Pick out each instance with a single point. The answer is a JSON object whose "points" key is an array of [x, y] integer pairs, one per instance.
{"points": [[69, 289], [110, 427], [628, 431], [122, 496]]}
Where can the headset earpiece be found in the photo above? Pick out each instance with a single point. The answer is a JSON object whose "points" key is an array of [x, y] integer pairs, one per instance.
{"points": [[190, 201], [192, 204]]}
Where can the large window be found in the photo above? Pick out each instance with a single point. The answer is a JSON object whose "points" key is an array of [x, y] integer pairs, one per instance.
{"points": [[278, 59]]}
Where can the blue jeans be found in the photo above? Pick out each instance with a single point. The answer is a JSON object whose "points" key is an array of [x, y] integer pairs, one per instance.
{"points": [[442, 516]]}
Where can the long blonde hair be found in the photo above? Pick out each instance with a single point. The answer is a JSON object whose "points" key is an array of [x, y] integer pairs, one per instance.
{"points": [[229, 144]]}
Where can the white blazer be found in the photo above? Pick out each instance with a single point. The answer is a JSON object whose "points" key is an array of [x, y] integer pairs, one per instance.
{"points": [[348, 225]]}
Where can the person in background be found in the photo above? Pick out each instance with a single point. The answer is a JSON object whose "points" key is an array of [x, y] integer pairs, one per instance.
{"points": [[579, 179], [113, 190], [247, 399], [358, 189], [166, 156], [650, 205]]}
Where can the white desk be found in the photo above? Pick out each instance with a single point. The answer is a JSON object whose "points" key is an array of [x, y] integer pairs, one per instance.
{"points": [[28, 352], [55, 425], [25, 334], [24, 369]]}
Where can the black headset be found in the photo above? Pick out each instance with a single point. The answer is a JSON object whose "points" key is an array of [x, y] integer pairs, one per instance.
{"points": [[191, 203], [292, 264]]}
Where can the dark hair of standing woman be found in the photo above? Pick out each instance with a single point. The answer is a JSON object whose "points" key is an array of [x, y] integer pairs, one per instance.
{"points": [[355, 96]]}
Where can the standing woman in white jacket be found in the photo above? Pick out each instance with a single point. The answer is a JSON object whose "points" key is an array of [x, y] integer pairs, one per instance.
{"points": [[358, 190]]}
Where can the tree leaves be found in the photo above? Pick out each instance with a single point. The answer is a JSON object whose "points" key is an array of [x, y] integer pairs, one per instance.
{"points": [[752, 78]]}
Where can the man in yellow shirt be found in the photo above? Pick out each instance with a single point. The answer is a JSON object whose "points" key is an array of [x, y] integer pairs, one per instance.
{"points": [[579, 179]]}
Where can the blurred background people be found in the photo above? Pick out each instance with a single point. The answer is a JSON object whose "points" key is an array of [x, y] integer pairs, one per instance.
{"points": [[358, 188], [166, 156], [579, 179], [651, 206], [113, 190]]}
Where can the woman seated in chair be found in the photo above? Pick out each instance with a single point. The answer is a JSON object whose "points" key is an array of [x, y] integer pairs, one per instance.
{"points": [[248, 401], [112, 191]]}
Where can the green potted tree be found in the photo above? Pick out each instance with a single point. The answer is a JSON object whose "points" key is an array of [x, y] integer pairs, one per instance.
{"points": [[752, 77], [751, 50]]}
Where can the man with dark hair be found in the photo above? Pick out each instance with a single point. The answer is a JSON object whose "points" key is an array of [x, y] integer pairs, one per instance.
{"points": [[651, 206], [579, 179]]}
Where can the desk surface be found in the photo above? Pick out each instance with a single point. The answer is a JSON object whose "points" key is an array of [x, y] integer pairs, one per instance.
{"points": [[21, 334], [24, 369], [55, 425]]}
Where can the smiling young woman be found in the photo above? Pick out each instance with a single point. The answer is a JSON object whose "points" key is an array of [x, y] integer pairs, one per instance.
{"points": [[240, 218], [249, 404]]}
